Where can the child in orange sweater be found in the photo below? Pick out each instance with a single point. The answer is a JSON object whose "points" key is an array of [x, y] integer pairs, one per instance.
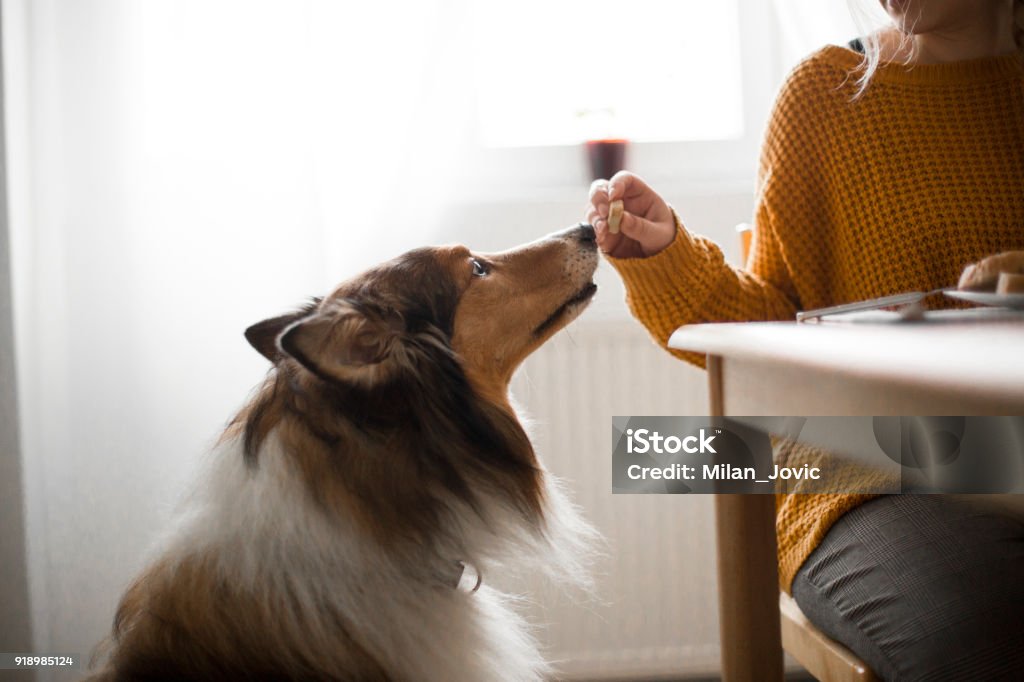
{"points": [[880, 173]]}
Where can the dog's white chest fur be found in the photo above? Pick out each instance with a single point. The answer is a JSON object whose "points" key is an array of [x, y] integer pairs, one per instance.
{"points": [[267, 534]]}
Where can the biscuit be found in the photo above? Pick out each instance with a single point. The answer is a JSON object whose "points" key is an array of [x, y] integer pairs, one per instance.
{"points": [[615, 216], [1010, 283]]}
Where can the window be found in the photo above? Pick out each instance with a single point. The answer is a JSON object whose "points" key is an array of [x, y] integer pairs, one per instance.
{"points": [[651, 71]]}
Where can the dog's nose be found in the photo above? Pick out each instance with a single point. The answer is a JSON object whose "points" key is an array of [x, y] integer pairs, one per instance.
{"points": [[585, 232]]}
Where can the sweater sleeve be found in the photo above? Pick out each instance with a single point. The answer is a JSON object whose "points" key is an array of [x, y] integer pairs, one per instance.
{"points": [[690, 282]]}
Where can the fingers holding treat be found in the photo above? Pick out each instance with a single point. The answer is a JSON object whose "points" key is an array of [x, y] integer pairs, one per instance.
{"points": [[599, 196], [985, 274]]}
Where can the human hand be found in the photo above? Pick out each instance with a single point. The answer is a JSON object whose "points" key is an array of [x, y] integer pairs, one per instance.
{"points": [[647, 224], [984, 275]]}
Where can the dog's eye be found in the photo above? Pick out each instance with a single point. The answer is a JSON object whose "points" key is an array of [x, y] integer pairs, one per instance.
{"points": [[479, 268]]}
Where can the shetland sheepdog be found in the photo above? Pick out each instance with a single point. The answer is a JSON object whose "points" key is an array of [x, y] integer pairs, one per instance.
{"points": [[352, 511]]}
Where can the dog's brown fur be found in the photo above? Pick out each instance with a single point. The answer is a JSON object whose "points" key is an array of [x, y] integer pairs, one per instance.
{"points": [[411, 360]]}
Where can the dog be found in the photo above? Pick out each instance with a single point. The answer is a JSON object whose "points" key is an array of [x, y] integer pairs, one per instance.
{"points": [[351, 510]]}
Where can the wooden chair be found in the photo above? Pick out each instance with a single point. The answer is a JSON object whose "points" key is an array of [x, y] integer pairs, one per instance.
{"points": [[825, 658], [745, 233]]}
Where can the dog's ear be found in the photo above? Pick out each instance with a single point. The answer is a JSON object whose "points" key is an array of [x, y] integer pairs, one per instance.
{"points": [[263, 335], [342, 342]]}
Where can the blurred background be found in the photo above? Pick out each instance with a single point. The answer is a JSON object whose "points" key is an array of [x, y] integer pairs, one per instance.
{"points": [[177, 170]]}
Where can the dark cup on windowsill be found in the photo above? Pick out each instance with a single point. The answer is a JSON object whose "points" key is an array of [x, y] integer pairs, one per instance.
{"points": [[605, 158]]}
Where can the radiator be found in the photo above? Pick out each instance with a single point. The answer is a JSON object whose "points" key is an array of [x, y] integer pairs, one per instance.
{"points": [[656, 612]]}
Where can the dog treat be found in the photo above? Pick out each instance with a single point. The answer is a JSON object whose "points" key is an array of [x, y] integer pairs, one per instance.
{"points": [[1009, 283], [614, 216], [984, 275]]}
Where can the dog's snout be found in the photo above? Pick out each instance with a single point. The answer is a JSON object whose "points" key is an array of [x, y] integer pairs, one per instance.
{"points": [[580, 233]]}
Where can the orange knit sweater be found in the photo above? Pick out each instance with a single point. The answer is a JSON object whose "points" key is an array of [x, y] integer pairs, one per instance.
{"points": [[895, 191]]}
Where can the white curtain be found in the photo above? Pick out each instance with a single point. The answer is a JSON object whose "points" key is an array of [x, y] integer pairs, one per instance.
{"points": [[178, 171]]}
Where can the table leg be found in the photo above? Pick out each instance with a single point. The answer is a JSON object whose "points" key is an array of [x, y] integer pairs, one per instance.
{"points": [[748, 588], [748, 574]]}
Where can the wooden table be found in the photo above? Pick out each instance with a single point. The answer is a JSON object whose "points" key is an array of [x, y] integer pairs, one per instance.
{"points": [[964, 362]]}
